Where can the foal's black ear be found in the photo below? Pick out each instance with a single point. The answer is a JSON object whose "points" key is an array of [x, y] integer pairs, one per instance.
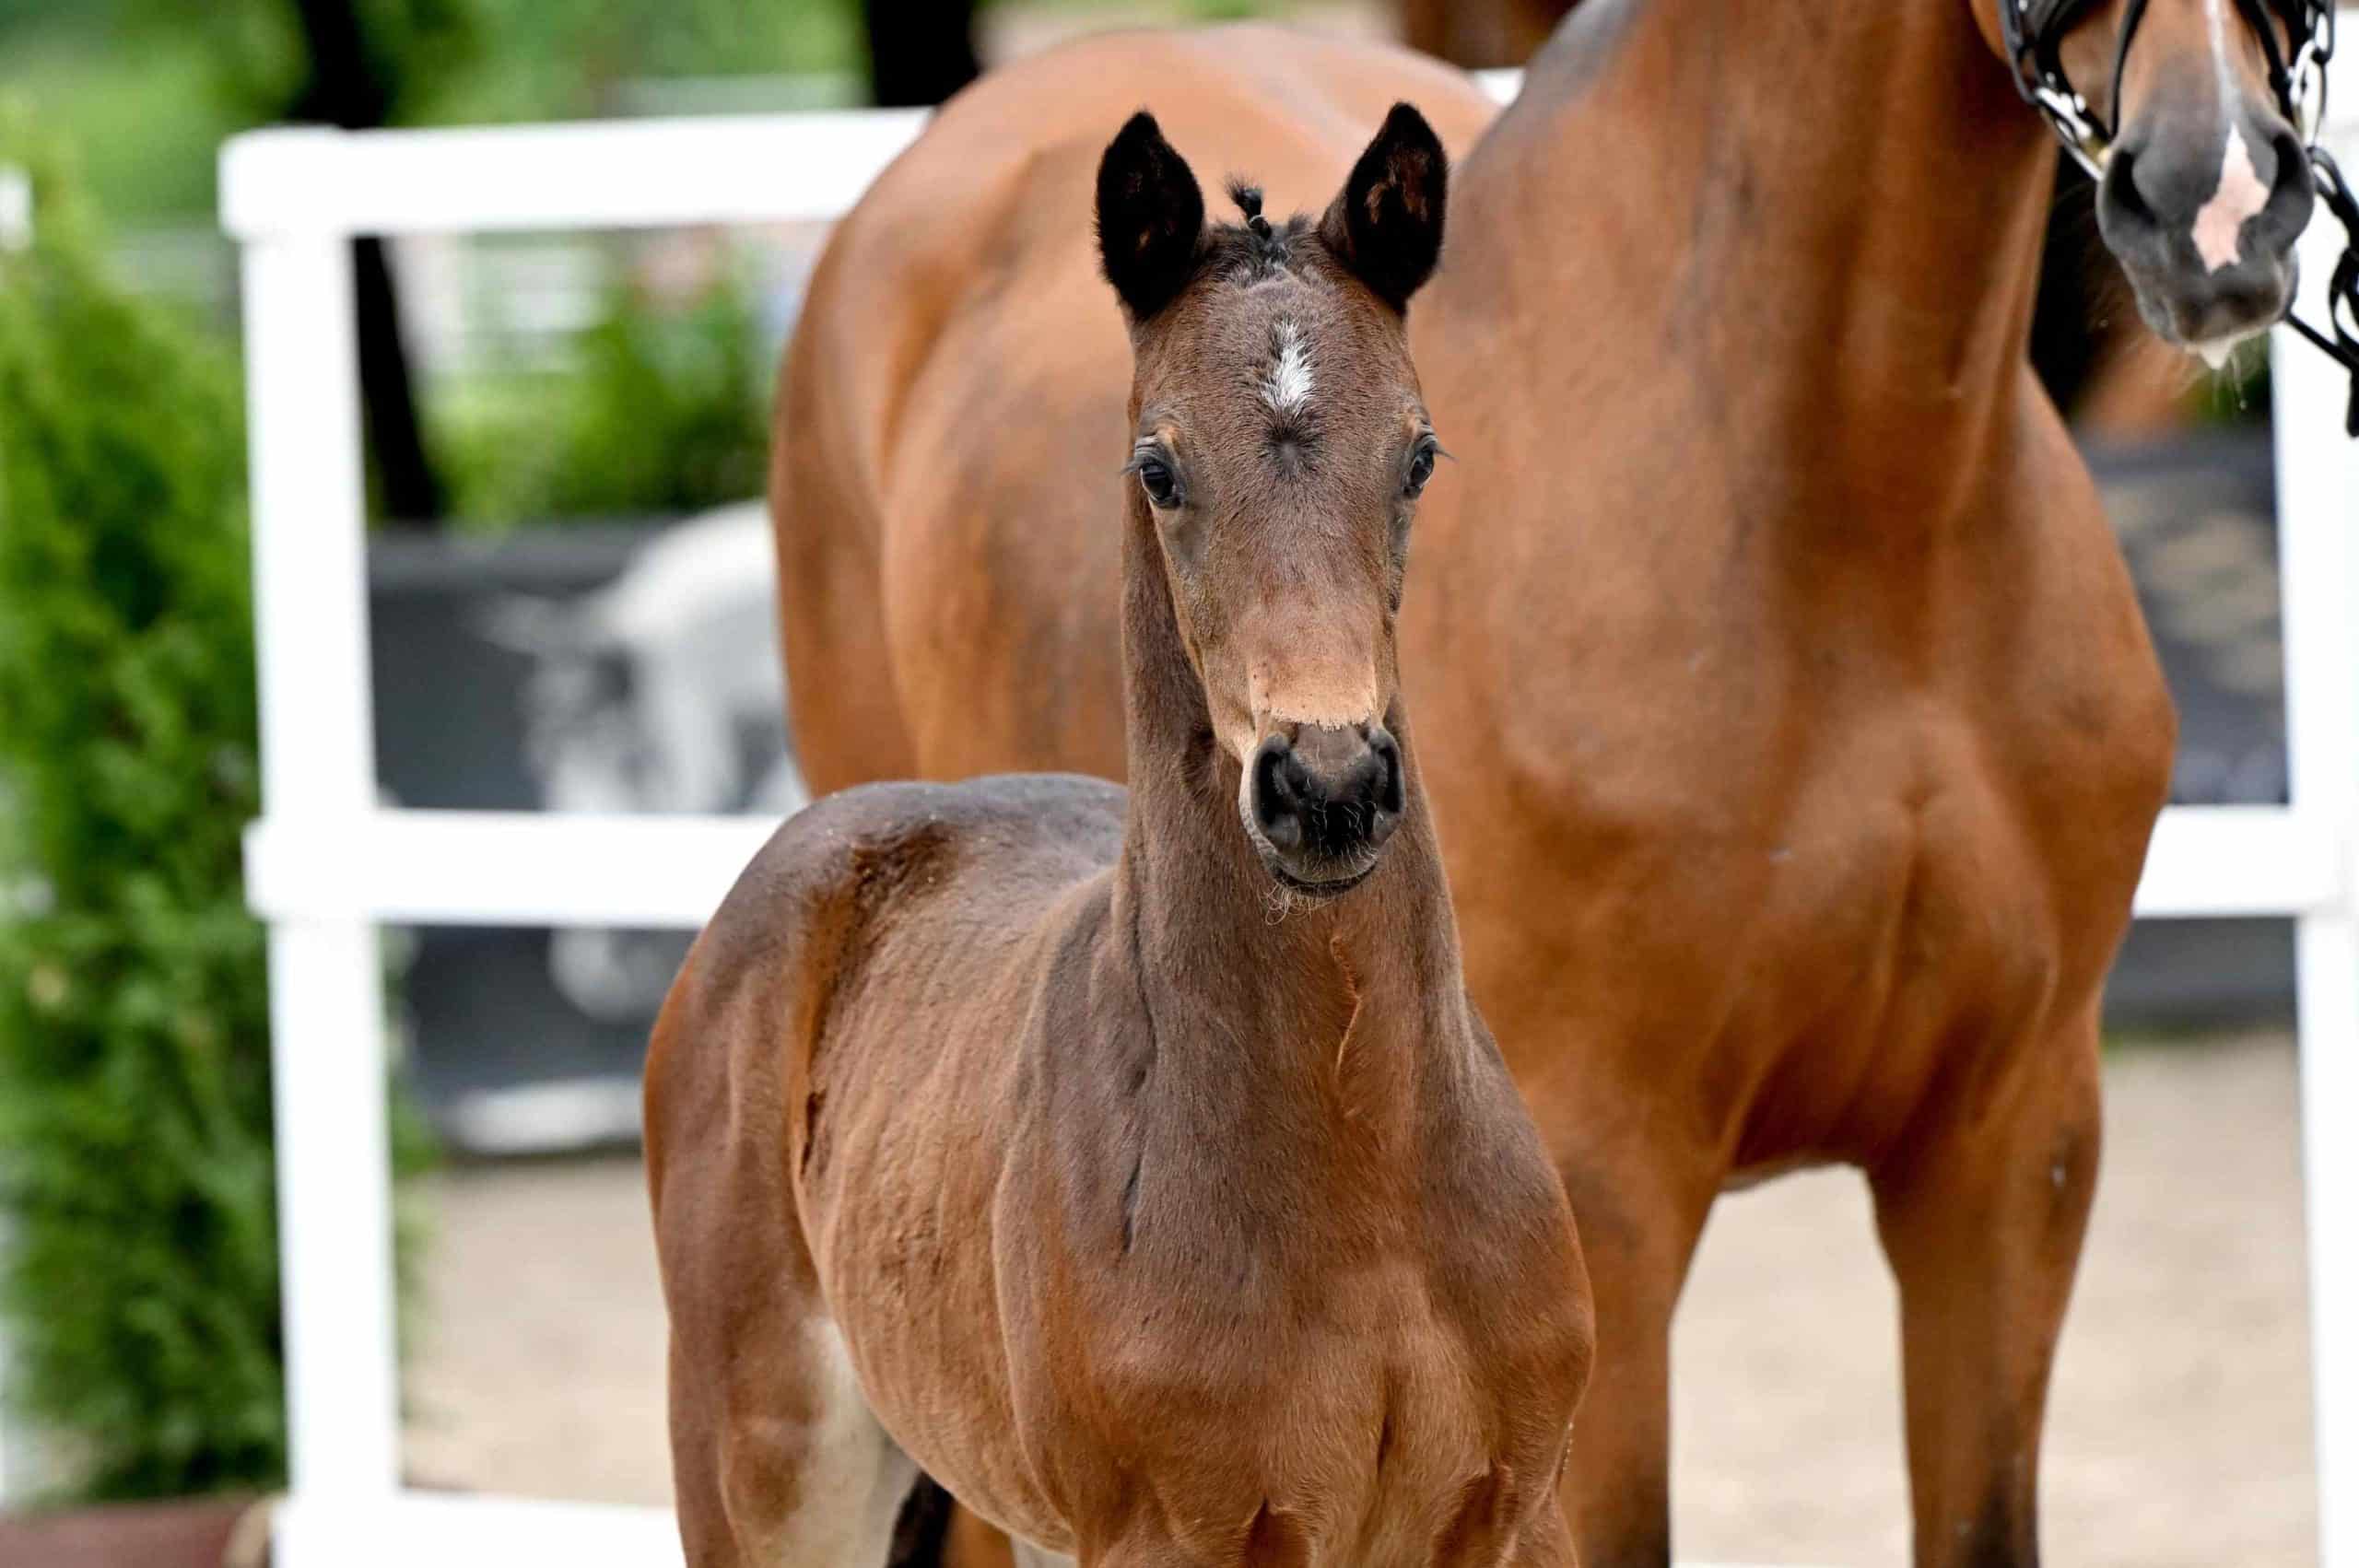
{"points": [[1386, 226], [1150, 218]]}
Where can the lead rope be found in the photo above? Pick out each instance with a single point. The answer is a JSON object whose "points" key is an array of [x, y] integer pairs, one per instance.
{"points": [[2039, 77]]}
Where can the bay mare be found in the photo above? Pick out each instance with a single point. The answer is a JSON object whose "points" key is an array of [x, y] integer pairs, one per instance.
{"points": [[1791, 726], [1140, 1169]]}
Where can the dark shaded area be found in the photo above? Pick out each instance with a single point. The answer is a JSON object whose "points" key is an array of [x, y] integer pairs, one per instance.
{"points": [[2197, 517], [351, 84], [480, 1004], [2084, 316], [922, 1530], [2178, 977], [1481, 35], [919, 51]]}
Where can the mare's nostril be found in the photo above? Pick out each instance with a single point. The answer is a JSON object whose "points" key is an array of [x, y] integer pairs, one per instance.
{"points": [[2293, 163], [2291, 193], [2123, 211]]}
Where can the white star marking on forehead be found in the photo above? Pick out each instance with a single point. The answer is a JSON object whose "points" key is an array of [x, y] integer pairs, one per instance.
{"points": [[1287, 385]]}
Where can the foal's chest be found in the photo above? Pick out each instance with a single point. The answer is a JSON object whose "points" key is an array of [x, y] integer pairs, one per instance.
{"points": [[1363, 1428]]}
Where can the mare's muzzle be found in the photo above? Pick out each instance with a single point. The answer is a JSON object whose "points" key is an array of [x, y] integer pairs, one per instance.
{"points": [[1321, 800], [2207, 267]]}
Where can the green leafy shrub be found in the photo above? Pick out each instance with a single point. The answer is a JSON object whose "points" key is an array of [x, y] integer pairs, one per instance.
{"points": [[139, 1281], [662, 409]]}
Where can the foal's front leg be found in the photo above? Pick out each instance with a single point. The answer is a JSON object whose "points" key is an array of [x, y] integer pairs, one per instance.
{"points": [[1982, 1220], [1546, 1542]]}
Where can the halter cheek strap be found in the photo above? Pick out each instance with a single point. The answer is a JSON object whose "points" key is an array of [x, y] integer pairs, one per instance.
{"points": [[2034, 33]]}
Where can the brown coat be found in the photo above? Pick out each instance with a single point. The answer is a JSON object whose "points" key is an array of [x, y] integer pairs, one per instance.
{"points": [[1043, 1138]]}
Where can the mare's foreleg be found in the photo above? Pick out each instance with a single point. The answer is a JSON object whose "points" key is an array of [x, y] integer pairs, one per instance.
{"points": [[1640, 1210], [1982, 1218]]}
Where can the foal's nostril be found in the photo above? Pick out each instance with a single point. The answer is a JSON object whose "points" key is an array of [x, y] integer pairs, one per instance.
{"points": [[1326, 793], [1390, 793], [1277, 794]]}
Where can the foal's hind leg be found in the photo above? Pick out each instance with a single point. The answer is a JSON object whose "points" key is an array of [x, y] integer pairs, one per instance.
{"points": [[779, 1462], [1982, 1219]]}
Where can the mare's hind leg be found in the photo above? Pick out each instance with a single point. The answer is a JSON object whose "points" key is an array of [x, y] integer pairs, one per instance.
{"points": [[1981, 1217], [779, 1462]]}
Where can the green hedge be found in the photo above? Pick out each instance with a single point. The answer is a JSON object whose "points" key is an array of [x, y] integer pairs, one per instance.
{"points": [[661, 408], [140, 1286]]}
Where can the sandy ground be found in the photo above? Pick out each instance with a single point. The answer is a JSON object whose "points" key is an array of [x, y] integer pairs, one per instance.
{"points": [[2179, 1433]]}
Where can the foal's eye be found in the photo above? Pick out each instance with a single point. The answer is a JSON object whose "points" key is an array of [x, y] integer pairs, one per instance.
{"points": [[1421, 467], [1162, 487]]}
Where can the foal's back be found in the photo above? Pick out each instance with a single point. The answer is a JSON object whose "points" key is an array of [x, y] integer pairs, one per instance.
{"points": [[823, 1042]]}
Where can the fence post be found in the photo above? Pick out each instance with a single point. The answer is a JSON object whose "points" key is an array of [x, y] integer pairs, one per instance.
{"points": [[319, 772], [2320, 573]]}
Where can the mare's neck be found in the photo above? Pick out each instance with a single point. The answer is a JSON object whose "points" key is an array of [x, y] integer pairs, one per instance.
{"points": [[1253, 994], [1822, 219]]}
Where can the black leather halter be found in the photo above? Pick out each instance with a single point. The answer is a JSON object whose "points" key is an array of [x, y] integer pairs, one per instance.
{"points": [[2034, 31]]}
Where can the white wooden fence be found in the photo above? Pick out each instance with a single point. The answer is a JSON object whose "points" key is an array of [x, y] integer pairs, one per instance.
{"points": [[326, 866]]}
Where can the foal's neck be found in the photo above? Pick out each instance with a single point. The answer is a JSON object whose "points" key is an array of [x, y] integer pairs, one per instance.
{"points": [[1253, 992], [1849, 199]]}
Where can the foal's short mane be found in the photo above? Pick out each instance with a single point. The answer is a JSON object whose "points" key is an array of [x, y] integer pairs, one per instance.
{"points": [[1257, 249]]}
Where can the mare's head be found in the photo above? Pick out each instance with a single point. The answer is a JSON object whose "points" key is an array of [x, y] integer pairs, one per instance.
{"points": [[1279, 445], [2206, 186]]}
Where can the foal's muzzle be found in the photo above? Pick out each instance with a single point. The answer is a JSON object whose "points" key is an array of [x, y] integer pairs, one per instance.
{"points": [[1320, 802]]}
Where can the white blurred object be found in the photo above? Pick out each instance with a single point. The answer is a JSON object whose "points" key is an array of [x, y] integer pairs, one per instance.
{"points": [[15, 208], [661, 693]]}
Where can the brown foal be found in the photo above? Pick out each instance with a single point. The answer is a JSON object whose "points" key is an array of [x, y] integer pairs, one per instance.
{"points": [[1791, 723], [1141, 1170]]}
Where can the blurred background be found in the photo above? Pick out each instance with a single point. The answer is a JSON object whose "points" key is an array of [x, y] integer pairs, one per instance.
{"points": [[572, 611]]}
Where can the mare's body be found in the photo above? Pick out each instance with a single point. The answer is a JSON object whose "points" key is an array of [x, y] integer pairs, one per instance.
{"points": [[1792, 727]]}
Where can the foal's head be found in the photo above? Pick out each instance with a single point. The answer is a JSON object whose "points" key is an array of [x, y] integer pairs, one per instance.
{"points": [[1280, 443], [2207, 185]]}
